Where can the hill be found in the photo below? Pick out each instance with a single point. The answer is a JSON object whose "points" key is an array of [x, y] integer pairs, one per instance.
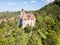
{"points": [[49, 19], [8, 14], [46, 31]]}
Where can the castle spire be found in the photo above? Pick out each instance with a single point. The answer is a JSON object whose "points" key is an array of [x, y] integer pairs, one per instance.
{"points": [[22, 12]]}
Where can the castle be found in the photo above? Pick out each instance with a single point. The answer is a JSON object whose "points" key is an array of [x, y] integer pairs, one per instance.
{"points": [[26, 19]]}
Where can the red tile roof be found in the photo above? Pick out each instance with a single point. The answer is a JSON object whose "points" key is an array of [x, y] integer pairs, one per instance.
{"points": [[26, 16]]}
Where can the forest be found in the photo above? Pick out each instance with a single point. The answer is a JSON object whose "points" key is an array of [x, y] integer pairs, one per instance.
{"points": [[46, 31]]}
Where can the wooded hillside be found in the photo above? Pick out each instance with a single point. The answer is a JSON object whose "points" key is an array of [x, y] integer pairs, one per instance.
{"points": [[46, 31]]}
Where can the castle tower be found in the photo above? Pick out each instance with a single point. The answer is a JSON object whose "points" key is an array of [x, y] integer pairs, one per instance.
{"points": [[22, 12]]}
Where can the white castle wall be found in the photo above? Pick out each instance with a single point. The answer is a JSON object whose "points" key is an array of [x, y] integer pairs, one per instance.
{"points": [[28, 22]]}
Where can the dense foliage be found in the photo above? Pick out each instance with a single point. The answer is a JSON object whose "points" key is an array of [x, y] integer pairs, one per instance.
{"points": [[46, 31], [8, 14]]}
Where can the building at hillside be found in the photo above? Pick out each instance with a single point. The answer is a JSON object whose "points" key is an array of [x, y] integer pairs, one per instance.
{"points": [[26, 19]]}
